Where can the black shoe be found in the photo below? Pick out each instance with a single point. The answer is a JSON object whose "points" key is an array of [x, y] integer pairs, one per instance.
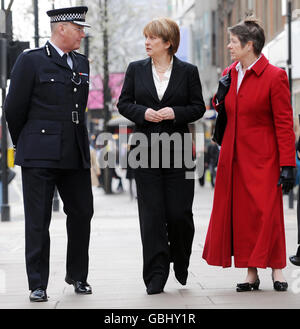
{"points": [[296, 259], [247, 286], [38, 295], [82, 288], [279, 286], [181, 277], [156, 286]]}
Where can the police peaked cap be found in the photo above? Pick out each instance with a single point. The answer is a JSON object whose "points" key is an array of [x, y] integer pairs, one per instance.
{"points": [[74, 15]]}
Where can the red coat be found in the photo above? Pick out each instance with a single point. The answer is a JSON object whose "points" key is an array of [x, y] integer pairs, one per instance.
{"points": [[247, 216]]}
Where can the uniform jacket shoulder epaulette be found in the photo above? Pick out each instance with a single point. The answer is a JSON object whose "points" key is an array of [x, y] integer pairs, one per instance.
{"points": [[32, 50]]}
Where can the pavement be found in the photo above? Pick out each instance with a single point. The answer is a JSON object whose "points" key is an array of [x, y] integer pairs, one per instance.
{"points": [[116, 263]]}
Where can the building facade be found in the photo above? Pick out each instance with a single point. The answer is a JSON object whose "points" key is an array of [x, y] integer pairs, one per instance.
{"points": [[209, 36]]}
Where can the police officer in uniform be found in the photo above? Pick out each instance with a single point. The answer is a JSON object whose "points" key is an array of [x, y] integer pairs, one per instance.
{"points": [[45, 111]]}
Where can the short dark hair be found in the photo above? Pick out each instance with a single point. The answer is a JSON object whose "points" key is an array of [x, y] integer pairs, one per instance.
{"points": [[250, 29]]}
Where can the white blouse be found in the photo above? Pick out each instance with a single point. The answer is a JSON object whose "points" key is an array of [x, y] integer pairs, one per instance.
{"points": [[241, 72], [161, 86]]}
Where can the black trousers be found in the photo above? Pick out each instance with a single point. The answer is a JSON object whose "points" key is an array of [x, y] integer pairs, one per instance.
{"points": [[165, 199], [74, 187]]}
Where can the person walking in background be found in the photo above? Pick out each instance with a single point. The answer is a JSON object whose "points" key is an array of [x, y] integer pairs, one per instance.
{"points": [[95, 168], [45, 111], [130, 172], [213, 156], [256, 163], [99, 150], [205, 166], [10, 176], [162, 94], [115, 175]]}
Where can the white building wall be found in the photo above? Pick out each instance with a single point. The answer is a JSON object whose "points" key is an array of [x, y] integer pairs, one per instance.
{"points": [[277, 53]]}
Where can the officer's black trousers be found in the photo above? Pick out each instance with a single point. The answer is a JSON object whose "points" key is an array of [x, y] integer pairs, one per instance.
{"points": [[165, 199], [74, 187]]}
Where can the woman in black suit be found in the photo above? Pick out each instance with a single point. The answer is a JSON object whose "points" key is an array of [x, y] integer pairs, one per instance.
{"points": [[162, 95]]}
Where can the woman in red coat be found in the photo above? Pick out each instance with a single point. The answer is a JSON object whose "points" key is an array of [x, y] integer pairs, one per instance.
{"points": [[257, 157]]}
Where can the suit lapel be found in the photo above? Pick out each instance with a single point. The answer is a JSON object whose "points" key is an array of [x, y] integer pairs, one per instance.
{"points": [[147, 78], [233, 87], [176, 77], [74, 60], [56, 58]]}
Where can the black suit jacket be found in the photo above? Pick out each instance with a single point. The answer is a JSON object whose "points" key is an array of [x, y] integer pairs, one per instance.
{"points": [[184, 95], [41, 110]]}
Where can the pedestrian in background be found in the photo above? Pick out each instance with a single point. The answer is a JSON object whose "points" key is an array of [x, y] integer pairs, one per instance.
{"points": [[10, 176], [95, 168], [256, 163], [45, 111], [205, 166], [162, 94], [213, 157], [130, 172]]}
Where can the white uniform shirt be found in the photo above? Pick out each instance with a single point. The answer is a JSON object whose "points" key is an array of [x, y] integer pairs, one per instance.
{"points": [[241, 72], [161, 86]]}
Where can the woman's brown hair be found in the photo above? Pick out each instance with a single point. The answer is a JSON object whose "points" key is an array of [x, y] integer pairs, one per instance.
{"points": [[167, 30], [250, 29]]}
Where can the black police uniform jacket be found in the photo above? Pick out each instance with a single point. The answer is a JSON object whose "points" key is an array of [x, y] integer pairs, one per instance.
{"points": [[45, 110]]}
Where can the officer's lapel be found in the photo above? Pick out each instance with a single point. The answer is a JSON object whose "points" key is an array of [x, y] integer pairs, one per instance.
{"points": [[55, 57], [74, 60]]}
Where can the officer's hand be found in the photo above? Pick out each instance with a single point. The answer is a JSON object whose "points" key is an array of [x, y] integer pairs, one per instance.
{"points": [[286, 179]]}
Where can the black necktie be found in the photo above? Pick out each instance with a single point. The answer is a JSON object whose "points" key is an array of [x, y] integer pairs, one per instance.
{"points": [[65, 59]]}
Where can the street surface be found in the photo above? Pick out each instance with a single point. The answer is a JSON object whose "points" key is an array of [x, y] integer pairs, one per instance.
{"points": [[116, 263]]}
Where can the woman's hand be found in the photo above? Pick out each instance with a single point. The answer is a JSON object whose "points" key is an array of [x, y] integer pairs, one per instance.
{"points": [[167, 113], [153, 116]]}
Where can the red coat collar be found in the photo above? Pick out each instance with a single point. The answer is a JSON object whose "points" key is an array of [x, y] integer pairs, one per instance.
{"points": [[259, 67]]}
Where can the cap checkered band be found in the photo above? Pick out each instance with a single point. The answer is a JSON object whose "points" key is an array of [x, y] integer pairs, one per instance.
{"points": [[68, 18]]}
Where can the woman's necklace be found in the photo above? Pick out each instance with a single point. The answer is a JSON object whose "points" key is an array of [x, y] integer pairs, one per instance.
{"points": [[161, 69]]}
